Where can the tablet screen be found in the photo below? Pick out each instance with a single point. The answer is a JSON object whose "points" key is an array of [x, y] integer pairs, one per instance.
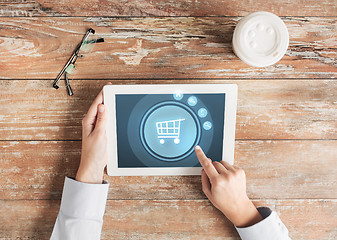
{"points": [[161, 130]]}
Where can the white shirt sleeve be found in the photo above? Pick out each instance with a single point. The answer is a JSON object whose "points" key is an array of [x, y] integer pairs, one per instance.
{"points": [[81, 212], [271, 227]]}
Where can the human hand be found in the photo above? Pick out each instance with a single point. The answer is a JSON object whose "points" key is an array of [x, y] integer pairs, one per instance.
{"points": [[94, 156], [225, 186]]}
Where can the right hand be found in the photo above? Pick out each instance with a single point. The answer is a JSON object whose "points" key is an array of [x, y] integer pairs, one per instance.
{"points": [[225, 186]]}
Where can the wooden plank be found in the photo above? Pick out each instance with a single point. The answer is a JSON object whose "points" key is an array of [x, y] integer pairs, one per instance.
{"points": [[165, 8], [274, 169], [174, 219], [277, 109], [154, 48]]}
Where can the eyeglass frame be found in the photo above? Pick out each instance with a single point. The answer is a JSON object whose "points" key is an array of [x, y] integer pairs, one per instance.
{"points": [[72, 60]]}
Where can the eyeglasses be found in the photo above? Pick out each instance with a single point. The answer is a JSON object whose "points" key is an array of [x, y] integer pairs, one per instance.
{"points": [[70, 65]]}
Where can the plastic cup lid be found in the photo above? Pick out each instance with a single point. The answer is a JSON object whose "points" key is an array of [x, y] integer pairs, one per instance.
{"points": [[260, 39]]}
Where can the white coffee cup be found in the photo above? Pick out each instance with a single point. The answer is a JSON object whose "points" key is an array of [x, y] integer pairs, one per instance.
{"points": [[260, 39]]}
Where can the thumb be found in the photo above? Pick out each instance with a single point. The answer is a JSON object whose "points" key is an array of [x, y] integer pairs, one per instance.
{"points": [[101, 119]]}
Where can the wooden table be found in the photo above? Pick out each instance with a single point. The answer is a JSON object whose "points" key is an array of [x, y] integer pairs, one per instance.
{"points": [[286, 137]]}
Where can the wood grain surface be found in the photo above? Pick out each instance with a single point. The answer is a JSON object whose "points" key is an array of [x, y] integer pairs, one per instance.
{"points": [[31, 8], [156, 48], [173, 219], [274, 169], [286, 131], [284, 109]]}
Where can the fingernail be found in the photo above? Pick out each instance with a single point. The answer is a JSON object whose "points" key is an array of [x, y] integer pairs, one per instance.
{"points": [[101, 108], [197, 147]]}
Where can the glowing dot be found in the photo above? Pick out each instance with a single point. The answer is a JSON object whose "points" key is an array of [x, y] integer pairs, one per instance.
{"points": [[176, 140], [162, 141], [192, 101], [202, 112], [178, 96], [207, 125]]}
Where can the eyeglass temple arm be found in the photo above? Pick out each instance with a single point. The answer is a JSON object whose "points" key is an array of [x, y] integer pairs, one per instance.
{"points": [[63, 70], [73, 57]]}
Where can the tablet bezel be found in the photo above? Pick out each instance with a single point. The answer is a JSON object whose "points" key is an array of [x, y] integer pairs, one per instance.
{"points": [[109, 93]]}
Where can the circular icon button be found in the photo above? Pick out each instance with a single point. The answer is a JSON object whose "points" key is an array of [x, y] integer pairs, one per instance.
{"points": [[169, 131], [178, 96], [192, 101], [202, 112], [207, 125]]}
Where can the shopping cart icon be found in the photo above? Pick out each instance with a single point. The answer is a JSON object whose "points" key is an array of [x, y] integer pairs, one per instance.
{"points": [[169, 129]]}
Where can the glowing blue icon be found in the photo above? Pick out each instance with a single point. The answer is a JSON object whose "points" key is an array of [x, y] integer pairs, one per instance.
{"points": [[202, 112], [178, 96], [169, 129], [207, 125], [192, 101]]}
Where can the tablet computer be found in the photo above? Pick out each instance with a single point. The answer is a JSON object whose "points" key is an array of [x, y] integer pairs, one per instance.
{"points": [[153, 129]]}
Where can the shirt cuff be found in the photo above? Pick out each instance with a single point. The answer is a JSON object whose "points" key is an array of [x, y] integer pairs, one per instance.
{"points": [[84, 200], [268, 228]]}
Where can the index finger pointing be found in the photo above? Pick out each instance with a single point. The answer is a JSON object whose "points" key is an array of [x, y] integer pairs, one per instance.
{"points": [[206, 163]]}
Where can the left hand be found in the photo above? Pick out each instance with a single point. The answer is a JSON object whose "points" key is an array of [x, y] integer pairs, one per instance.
{"points": [[94, 156]]}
